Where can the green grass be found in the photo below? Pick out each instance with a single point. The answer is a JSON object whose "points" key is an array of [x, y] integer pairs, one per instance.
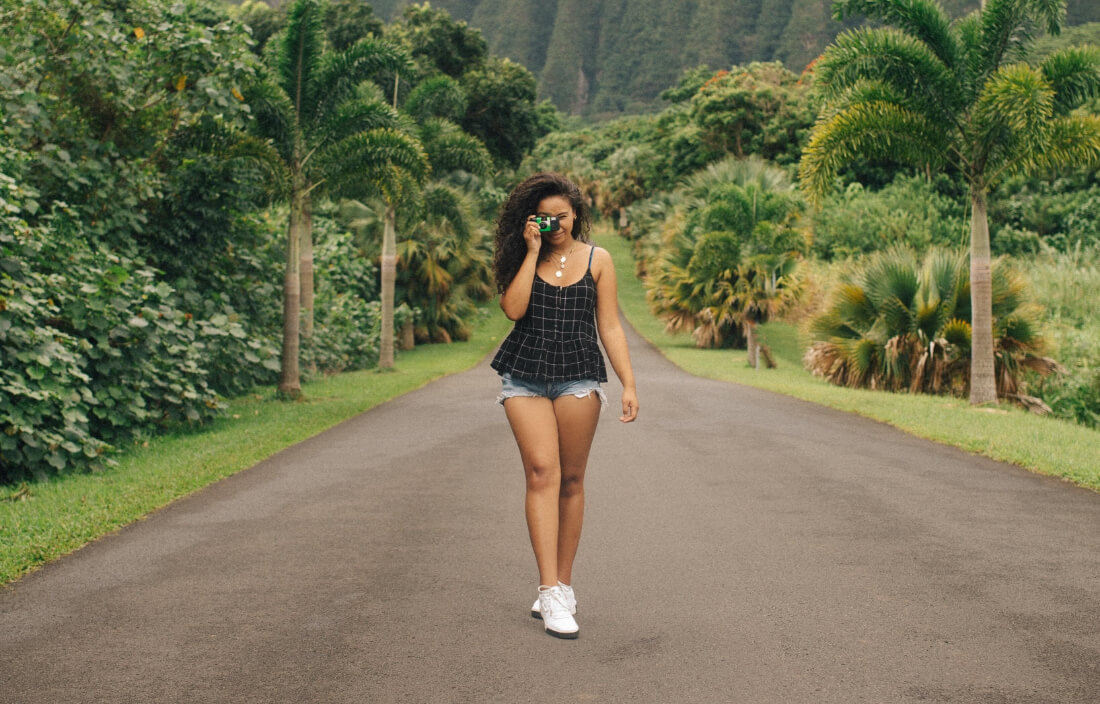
{"points": [[1040, 444], [42, 521]]}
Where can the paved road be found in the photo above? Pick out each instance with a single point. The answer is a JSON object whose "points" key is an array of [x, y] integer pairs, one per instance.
{"points": [[740, 547]]}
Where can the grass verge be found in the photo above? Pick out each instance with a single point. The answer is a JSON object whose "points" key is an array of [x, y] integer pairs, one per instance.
{"points": [[1040, 444], [42, 521]]}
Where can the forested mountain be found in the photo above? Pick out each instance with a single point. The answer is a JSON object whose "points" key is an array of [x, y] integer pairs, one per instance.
{"points": [[601, 57]]}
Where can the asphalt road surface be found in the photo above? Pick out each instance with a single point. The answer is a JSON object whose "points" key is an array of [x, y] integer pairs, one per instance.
{"points": [[739, 547]]}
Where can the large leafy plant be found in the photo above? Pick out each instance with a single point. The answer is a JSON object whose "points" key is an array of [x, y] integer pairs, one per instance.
{"points": [[930, 92], [729, 265], [900, 324]]}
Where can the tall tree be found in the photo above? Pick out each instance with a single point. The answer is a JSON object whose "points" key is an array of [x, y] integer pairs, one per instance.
{"points": [[334, 134], [929, 91]]}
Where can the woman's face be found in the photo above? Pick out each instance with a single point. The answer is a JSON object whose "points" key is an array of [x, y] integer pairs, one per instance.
{"points": [[559, 207]]}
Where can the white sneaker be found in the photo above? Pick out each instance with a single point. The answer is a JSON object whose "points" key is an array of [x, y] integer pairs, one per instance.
{"points": [[570, 601], [555, 614]]}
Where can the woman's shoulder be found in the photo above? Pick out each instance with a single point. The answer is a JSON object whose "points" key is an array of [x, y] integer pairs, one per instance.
{"points": [[600, 260]]}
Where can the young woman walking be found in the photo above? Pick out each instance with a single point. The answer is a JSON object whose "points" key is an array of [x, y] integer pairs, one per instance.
{"points": [[560, 290]]}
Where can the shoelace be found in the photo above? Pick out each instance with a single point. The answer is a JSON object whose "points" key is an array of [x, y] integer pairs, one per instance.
{"points": [[555, 601]]}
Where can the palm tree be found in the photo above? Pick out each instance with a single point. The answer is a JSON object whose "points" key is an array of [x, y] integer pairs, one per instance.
{"points": [[335, 135], [931, 92], [766, 285], [445, 263], [734, 216]]}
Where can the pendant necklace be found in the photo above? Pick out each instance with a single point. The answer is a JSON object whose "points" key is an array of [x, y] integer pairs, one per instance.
{"points": [[561, 262]]}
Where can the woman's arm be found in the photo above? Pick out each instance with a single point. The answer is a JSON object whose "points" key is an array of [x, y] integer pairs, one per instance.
{"points": [[611, 330], [517, 295]]}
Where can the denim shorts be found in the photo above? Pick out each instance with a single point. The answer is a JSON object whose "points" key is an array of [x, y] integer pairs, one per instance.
{"points": [[581, 388]]}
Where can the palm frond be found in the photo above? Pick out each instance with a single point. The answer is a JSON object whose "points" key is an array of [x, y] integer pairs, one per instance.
{"points": [[739, 172], [354, 116], [1009, 26], [273, 114], [896, 59], [923, 19], [868, 130], [300, 52], [1013, 109], [452, 149], [438, 96], [266, 158], [339, 73], [1067, 140], [380, 159], [1074, 73]]}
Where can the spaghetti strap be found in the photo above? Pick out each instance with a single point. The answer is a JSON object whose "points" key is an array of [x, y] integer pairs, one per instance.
{"points": [[590, 253]]}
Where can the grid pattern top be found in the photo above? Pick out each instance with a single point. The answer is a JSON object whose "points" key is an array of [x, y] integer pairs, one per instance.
{"points": [[556, 339]]}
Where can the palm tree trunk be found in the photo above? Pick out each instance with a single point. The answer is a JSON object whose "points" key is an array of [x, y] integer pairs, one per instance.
{"points": [[408, 336], [750, 341], [983, 382], [307, 266], [389, 275], [289, 378]]}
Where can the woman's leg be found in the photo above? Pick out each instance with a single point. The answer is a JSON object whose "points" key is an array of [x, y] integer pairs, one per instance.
{"points": [[536, 429], [576, 422]]}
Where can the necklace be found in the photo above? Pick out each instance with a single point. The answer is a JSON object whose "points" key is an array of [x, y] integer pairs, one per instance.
{"points": [[561, 262]]}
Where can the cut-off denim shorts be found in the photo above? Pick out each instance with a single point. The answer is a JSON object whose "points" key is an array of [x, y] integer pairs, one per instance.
{"points": [[581, 388]]}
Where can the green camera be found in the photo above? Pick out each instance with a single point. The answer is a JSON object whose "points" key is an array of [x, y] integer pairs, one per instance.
{"points": [[547, 223]]}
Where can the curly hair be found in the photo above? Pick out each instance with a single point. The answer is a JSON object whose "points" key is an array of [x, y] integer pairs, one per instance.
{"points": [[509, 247]]}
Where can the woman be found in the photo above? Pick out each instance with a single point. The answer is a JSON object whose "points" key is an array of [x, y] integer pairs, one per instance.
{"points": [[560, 290]]}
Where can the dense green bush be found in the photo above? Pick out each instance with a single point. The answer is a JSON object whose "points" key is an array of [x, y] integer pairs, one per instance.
{"points": [[898, 322], [1061, 213], [93, 349], [736, 227], [1068, 285], [910, 211]]}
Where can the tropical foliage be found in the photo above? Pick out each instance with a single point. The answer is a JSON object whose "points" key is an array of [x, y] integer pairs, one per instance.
{"points": [[910, 210], [332, 134], [730, 263], [901, 324], [929, 92], [149, 166]]}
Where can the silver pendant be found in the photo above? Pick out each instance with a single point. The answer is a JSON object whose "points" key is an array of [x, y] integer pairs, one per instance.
{"points": [[557, 274]]}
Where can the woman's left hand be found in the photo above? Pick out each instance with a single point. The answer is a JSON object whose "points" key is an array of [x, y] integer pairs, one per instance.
{"points": [[630, 406]]}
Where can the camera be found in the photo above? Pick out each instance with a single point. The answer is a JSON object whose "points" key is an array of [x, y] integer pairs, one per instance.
{"points": [[547, 223]]}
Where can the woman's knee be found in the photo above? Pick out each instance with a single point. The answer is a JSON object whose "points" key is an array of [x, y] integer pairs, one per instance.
{"points": [[572, 485], [543, 474]]}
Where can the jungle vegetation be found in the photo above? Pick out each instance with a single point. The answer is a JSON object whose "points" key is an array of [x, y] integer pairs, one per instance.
{"points": [[198, 199]]}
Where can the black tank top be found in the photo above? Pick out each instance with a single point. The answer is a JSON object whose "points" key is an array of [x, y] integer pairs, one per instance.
{"points": [[556, 339]]}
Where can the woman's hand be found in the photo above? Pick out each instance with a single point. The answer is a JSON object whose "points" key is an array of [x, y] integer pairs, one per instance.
{"points": [[532, 235], [630, 406]]}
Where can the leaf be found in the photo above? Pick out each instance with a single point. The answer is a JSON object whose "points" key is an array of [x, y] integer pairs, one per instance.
{"points": [[139, 32]]}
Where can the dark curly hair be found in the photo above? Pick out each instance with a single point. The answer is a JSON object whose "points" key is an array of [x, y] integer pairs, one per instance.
{"points": [[509, 247]]}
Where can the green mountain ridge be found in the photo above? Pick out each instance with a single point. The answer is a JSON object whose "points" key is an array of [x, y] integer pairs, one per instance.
{"points": [[607, 57]]}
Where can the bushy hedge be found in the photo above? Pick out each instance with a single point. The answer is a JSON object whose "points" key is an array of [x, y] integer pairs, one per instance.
{"points": [[96, 348], [92, 347], [910, 211]]}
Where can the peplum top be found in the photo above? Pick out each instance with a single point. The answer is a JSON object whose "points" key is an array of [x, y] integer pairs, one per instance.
{"points": [[556, 338]]}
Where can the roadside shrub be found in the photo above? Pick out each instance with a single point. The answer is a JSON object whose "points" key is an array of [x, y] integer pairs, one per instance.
{"points": [[738, 233], [1068, 284], [910, 211], [94, 348], [898, 323], [347, 312]]}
